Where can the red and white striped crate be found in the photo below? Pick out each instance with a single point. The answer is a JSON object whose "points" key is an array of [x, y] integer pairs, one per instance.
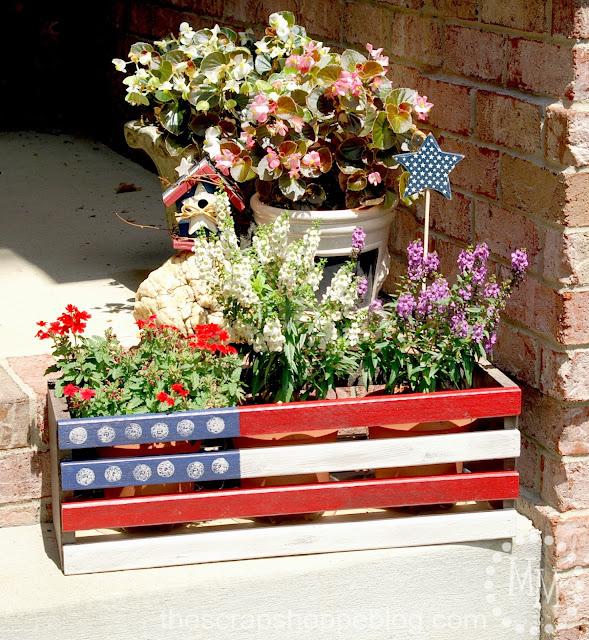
{"points": [[358, 512]]}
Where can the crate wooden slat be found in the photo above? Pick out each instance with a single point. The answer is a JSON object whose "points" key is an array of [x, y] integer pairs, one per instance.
{"points": [[246, 542], [282, 500], [288, 460], [489, 449]]}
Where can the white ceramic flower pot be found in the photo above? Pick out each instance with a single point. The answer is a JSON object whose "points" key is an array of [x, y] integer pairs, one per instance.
{"points": [[337, 228]]}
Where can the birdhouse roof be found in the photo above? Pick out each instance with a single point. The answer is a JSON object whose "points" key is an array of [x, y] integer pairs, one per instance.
{"points": [[203, 171]]}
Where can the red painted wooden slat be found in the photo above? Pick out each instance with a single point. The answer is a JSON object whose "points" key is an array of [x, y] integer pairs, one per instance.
{"points": [[331, 496], [378, 410]]}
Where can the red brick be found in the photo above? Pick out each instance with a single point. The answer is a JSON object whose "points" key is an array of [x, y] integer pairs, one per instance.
{"points": [[524, 15], [416, 38], [448, 253], [570, 538], [478, 171], [406, 4], [540, 67], [509, 122], [567, 136], [15, 413], [402, 76], [321, 18], [474, 53], [492, 221], [462, 9], [450, 217], [578, 632], [24, 475], [17, 515], [570, 18], [565, 484], [565, 256], [535, 306], [531, 188], [142, 19], [528, 464], [562, 427], [405, 230], [516, 354], [213, 8], [574, 189], [565, 375], [579, 89], [366, 23], [31, 370], [451, 109]]}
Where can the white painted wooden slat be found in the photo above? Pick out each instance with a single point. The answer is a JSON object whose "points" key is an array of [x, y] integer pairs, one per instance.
{"points": [[248, 542], [371, 454]]}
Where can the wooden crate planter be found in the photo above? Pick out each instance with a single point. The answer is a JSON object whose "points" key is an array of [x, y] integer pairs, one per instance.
{"points": [[358, 514]]}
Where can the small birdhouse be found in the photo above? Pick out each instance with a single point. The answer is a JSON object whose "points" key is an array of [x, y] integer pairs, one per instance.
{"points": [[194, 195]]}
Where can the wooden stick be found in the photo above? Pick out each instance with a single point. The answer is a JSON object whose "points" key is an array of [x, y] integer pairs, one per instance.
{"points": [[426, 230]]}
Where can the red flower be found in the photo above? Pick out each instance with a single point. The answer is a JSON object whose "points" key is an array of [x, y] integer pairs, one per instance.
{"points": [[162, 396], [177, 387], [141, 323], [87, 394], [70, 390], [170, 402]]}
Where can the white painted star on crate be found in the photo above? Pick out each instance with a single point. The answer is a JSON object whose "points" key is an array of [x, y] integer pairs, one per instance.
{"points": [[429, 156], [184, 167]]}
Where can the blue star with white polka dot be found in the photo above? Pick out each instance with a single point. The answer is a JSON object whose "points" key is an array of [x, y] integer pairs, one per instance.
{"points": [[428, 168]]}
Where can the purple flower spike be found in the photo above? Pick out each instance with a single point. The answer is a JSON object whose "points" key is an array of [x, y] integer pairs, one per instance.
{"points": [[375, 306], [477, 334], [519, 261], [431, 262], [466, 260], [405, 305], [358, 239], [362, 288]]}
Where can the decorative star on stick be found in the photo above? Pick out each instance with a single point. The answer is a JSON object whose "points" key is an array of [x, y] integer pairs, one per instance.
{"points": [[428, 168]]}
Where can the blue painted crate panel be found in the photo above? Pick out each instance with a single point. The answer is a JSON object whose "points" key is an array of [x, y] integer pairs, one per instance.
{"points": [[122, 472], [84, 433]]}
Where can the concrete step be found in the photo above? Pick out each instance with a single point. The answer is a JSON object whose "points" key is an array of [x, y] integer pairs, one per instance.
{"points": [[483, 590]]}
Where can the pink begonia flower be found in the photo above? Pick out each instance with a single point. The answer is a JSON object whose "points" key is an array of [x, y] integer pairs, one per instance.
{"points": [[374, 178], [293, 162], [247, 139], [375, 53], [312, 159], [273, 159], [347, 83], [422, 106], [281, 128], [297, 123], [260, 108], [225, 161]]}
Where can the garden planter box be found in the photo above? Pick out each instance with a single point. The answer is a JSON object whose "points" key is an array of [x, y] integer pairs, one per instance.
{"points": [[358, 512]]}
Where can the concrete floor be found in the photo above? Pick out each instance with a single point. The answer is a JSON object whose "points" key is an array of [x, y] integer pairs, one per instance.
{"points": [[61, 241]]}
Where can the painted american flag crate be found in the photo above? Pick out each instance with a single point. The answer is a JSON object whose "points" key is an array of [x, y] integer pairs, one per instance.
{"points": [[224, 523]]}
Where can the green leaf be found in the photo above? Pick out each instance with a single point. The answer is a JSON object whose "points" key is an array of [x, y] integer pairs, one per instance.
{"points": [[240, 171], [370, 69], [286, 107], [173, 118], [351, 59], [163, 96], [213, 61], [263, 63], [382, 134], [329, 74], [138, 98], [398, 96], [357, 181], [292, 188], [399, 119]]}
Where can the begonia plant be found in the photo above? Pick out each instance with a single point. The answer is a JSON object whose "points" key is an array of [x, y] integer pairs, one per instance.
{"points": [[313, 127]]}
